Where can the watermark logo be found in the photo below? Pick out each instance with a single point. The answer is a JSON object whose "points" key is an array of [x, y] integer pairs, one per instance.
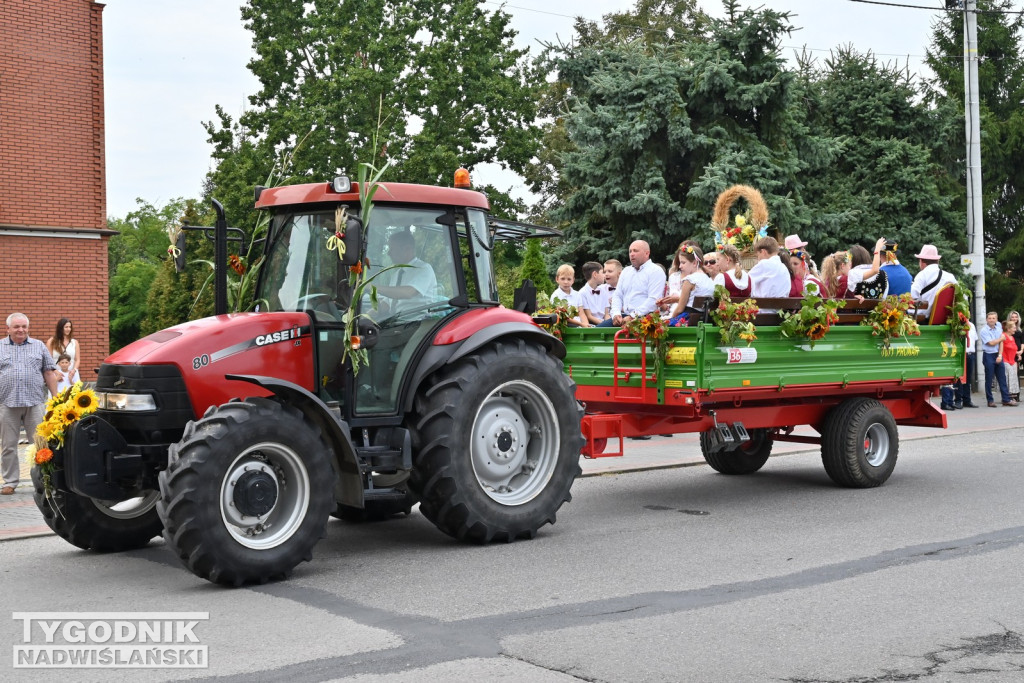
{"points": [[110, 640]]}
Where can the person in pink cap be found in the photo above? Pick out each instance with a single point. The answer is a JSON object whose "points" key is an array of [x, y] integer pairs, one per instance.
{"points": [[930, 279]]}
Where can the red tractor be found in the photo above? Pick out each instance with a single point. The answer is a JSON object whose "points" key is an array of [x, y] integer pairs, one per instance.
{"points": [[239, 435]]}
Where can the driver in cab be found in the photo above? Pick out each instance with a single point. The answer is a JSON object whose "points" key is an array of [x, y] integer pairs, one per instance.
{"points": [[411, 284]]}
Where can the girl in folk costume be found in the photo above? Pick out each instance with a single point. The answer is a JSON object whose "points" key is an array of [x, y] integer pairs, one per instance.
{"points": [[731, 274], [695, 283], [1011, 354], [866, 280], [63, 341], [806, 274], [834, 272]]}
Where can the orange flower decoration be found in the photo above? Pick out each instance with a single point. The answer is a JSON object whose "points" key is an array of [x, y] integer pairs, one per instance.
{"points": [[817, 331], [43, 455], [356, 268], [236, 264]]}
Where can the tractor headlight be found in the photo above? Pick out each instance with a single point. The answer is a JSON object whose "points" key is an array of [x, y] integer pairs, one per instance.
{"points": [[125, 402]]}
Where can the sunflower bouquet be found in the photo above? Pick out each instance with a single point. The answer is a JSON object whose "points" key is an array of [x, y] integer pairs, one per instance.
{"points": [[62, 411], [890, 319], [813, 320], [652, 329], [735, 320]]}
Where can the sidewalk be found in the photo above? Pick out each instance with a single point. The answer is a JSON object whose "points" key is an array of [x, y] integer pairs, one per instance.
{"points": [[20, 518]]}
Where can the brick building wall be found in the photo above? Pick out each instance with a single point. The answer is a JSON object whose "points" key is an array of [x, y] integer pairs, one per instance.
{"points": [[53, 236]]}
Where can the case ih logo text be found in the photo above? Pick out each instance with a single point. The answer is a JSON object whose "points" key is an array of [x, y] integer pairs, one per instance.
{"points": [[274, 337], [114, 640]]}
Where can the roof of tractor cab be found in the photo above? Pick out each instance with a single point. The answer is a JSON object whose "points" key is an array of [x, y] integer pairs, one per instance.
{"points": [[403, 193]]}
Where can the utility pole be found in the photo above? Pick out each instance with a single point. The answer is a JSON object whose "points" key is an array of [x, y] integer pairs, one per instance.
{"points": [[974, 262]]}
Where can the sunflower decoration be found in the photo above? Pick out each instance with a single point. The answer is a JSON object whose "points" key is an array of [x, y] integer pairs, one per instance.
{"points": [[652, 329], [890, 319], [236, 264], [735, 320], [814, 319], [63, 410]]}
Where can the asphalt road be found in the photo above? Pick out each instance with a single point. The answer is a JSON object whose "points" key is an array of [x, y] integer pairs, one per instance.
{"points": [[667, 575]]}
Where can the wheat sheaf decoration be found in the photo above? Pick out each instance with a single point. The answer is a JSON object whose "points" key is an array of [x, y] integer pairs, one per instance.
{"points": [[747, 227]]}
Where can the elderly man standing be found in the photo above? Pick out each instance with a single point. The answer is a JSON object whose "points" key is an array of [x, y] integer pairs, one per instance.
{"points": [[639, 287], [26, 372]]}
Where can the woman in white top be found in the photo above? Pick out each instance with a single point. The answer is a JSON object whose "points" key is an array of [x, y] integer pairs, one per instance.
{"points": [[63, 341], [675, 281], [695, 282]]}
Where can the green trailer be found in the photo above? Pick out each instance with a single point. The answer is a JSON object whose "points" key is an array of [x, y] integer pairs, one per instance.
{"points": [[851, 387]]}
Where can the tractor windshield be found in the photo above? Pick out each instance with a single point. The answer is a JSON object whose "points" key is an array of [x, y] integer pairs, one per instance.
{"points": [[300, 273]]}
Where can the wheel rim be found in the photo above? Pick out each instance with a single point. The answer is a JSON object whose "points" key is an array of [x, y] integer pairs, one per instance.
{"points": [[876, 445], [515, 443], [285, 473], [127, 509]]}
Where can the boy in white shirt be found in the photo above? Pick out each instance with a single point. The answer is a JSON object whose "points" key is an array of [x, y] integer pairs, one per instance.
{"points": [[65, 380], [594, 297], [565, 276]]}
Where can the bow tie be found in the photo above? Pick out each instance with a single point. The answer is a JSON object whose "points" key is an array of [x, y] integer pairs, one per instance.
{"points": [[596, 291], [611, 289]]}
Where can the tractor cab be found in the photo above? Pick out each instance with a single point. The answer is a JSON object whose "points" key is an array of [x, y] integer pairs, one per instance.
{"points": [[425, 256]]}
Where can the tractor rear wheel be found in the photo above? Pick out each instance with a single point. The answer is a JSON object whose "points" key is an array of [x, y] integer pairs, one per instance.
{"points": [[746, 459], [497, 441], [247, 493], [101, 525], [859, 443]]}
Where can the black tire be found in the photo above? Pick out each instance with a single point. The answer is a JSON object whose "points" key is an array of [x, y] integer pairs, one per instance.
{"points": [[519, 475], [229, 538], [859, 443], [103, 526], [747, 459]]}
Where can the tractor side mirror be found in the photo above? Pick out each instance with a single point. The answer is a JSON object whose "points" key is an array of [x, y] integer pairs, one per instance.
{"points": [[353, 241], [369, 333]]}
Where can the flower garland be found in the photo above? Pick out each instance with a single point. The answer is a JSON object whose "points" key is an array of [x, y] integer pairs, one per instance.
{"points": [[563, 313], [735, 320], [742, 235], [813, 320], [959, 314], [652, 329], [62, 411], [890, 319]]}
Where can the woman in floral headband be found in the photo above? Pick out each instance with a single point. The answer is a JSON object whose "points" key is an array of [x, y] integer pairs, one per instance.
{"points": [[695, 283], [805, 272]]}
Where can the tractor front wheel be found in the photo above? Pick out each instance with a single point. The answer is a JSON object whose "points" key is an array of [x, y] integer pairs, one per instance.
{"points": [[497, 442], [247, 493], [101, 525]]}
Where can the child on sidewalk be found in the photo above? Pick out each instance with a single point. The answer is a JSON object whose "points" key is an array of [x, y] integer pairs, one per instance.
{"points": [[64, 379]]}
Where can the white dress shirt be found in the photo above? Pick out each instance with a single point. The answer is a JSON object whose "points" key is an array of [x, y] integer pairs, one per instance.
{"points": [[925, 278], [771, 278], [639, 290]]}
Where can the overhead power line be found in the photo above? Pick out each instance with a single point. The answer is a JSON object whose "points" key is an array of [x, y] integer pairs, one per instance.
{"points": [[938, 9]]}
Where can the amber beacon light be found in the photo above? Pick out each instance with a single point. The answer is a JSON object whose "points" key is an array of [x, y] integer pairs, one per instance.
{"points": [[462, 178]]}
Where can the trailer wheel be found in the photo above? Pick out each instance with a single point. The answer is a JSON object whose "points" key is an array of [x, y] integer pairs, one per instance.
{"points": [[859, 443], [747, 459], [102, 525], [247, 493], [497, 441]]}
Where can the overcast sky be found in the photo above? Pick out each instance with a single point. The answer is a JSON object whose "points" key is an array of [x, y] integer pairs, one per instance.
{"points": [[168, 63]]}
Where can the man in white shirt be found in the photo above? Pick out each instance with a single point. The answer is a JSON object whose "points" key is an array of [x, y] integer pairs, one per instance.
{"points": [[411, 285], [769, 276], [639, 287], [929, 280]]}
